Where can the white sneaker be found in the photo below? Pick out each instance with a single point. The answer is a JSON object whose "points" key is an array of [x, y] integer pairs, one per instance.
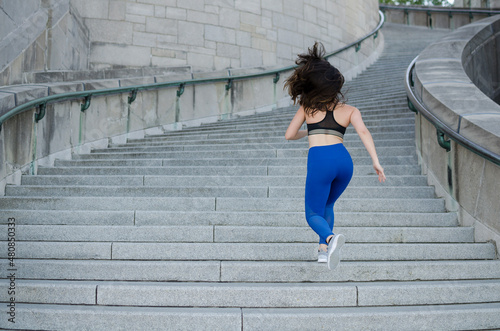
{"points": [[334, 247], [322, 257]]}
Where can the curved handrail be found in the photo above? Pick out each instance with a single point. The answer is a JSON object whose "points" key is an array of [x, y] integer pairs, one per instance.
{"points": [[442, 128], [87, 95]]}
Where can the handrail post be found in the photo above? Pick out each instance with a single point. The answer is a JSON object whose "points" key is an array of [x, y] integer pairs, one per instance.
{"points": [[36, 118]]}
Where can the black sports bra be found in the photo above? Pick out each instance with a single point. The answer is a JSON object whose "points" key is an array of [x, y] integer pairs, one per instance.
{"points": [[327, 126]]}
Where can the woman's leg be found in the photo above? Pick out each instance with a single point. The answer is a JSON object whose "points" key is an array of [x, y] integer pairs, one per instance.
{"points": [[339, 184], [338, 187], [317, 191]]}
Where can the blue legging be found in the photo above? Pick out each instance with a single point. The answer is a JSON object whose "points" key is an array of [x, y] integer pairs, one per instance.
{"points": [[329, 171]]}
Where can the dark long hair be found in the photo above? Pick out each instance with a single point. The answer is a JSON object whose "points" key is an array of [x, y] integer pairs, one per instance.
{"points": [[315, 84]]}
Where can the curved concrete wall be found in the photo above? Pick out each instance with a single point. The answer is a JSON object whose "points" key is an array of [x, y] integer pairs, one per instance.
{"points": [[66, 130], [38, 35], [467, 181], [219, 34], [440, 20]]}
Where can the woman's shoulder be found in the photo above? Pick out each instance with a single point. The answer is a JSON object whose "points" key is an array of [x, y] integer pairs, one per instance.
{"points": [[346, 108]]}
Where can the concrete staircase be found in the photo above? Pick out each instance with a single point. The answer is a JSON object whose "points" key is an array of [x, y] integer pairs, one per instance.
{"points": [[204, 229]]}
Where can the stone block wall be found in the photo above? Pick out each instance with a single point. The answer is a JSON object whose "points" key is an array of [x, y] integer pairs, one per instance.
{"points": [[37, 35], [215, 35]]}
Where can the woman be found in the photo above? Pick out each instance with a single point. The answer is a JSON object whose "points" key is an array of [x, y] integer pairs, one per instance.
{"points": [[316, 85]]}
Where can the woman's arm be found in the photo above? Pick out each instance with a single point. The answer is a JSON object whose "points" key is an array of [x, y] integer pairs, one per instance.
{"points": [[367, 140], [293, 132]]}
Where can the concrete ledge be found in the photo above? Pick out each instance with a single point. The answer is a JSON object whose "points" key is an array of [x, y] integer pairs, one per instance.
{"points": [[457, 78], [445, 87]]}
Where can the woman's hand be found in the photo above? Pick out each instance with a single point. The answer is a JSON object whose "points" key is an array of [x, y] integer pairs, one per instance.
{"points": [[380, 172]]}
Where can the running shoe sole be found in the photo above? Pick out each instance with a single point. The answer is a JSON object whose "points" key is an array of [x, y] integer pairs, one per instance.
{"points": [[334, 248]]}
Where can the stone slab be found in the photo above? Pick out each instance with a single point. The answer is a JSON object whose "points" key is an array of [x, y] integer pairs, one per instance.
{"points": [[342, 205], [425, 293], [369, 219], [393, 318], [68, 217], [299, 251], [199, 271], [60, 250], [52, 292], [226, 295], [59, 317], [247, 271], [25, 93], [7, 102], [112, 233], [353, 234], [108, 204]]}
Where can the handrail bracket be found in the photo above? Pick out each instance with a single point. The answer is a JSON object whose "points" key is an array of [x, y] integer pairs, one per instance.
{"points": [[40, 112], [446, 144], [180, 91], [276, 78], [86, 103], [132, 96]]}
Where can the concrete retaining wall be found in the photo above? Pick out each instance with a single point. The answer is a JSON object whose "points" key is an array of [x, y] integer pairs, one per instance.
{"points": [[467, 181], [65, 130], [38, 35], [436, 20], [214, 35], [25, 145]]}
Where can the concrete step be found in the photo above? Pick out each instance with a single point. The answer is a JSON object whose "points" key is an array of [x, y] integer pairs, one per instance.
{"points": [[351, 139], [197, 218], [231, 144], [202, 170], [343, 204], [272, 132], [211, 191], [282, 124], [465, 317], [108, 203], [236, 153], [408, 145], [406, 131], [256, 271], [456, 317], [280, 117], [292, 161], [179, 181], [216, 204], [362, 170], [257, 295], [195, 251], [235, 234]]}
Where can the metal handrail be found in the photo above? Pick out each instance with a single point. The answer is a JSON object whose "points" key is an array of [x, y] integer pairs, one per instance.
{"points": [[442, 128], [41, 103]]}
